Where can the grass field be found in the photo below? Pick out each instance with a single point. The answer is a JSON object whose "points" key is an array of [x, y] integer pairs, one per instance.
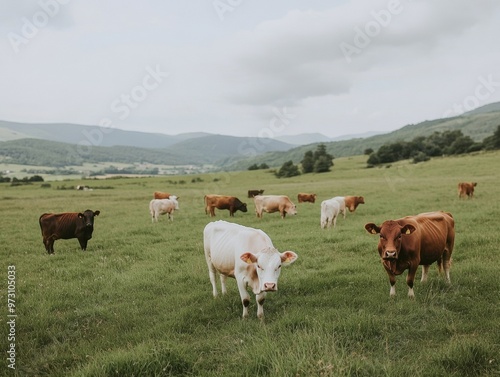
{"points": [[139, 302]]}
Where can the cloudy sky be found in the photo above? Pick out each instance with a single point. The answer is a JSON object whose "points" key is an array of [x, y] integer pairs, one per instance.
{"points": [[247, 67]]}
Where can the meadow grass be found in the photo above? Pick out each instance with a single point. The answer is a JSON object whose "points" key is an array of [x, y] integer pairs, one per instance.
{"points": [[139, 302]]}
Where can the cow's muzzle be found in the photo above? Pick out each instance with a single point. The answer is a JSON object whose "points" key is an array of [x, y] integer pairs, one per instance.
{"points": [[270, 287], [390, 255]]}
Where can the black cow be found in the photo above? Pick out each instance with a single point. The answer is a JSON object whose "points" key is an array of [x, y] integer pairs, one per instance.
{"points": [[252, 193], [67, 225]]}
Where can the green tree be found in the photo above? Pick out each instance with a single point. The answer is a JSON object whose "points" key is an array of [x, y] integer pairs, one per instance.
{"points": [[288, 169], [307, 162], [493, 141]]}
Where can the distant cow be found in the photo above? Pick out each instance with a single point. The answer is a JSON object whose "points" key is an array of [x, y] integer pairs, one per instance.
{"points": [[417, 240], [303, 197], [466, 189], [330, 210], [232, 203], [159, 207], [55, 226], [352, 202], [83, 188], [252, 193], [163, 195], [246, 254], [274, 203]]}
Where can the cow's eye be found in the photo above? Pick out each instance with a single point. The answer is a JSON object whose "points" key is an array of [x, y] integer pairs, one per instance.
{"points": [[258, 266]]}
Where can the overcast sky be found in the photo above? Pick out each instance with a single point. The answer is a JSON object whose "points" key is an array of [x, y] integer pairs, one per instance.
{"points": [[247, 67]]}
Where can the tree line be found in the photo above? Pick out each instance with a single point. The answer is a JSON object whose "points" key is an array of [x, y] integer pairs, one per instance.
{"points": [[423, 148]]}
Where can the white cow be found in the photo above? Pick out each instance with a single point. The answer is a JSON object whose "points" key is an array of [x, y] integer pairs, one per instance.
{"points": [[330, 209], [341, 200], [159, 207], [246, 254]]}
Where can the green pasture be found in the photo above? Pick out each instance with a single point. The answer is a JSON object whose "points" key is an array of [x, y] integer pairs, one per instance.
{"points": [[139, 302]]}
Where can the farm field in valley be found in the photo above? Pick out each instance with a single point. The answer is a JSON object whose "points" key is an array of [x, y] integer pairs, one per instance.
{"points": [[139, 301]]}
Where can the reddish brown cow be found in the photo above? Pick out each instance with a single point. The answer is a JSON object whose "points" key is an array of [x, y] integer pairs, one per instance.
{"points": [[252, 193], [466, 189], [67, 225], [303, 197], [417, 240], [231, 203], [162, 195], [352, 202]]}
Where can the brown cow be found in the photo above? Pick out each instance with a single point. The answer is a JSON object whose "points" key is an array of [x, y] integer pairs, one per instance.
{"points": [[67, 225], [417, 240], [352, 202], [231, 203], [274, 203], [466, 189], [162, 195], [252, 193], [303, 197]]}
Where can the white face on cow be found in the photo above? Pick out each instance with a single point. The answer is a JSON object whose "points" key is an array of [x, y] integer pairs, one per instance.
{"points": [[291, 209], [268, 265]]}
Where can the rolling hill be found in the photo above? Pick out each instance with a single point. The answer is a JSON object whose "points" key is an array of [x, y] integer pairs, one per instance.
{"points": [[61, 145]]}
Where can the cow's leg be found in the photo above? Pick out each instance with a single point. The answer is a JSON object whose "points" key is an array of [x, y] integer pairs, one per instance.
{"points": [[211, 273], [223, 279], [83, 243], [334, 221], [392, 280], [212, 211], [410, 280], [447, 265], [245, 297], [425, 271], [231, 211], [260, 298], [49, 246]]}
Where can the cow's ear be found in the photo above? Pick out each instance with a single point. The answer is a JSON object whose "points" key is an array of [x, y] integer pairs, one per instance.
{"points": [[80, 215], [248, 258], [288, 257], [408, 229], [372, 228], [96, 213]]}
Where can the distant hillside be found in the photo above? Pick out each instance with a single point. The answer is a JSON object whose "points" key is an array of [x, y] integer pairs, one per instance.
{"points": [[213, 149], [479, 125], [99, 136]]}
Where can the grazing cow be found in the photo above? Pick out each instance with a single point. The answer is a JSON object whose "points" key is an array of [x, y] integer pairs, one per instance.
{"points": [[252, 193], [232, 203], [330, 209], [159, 207], [417, 240], [341, 201], [67, 225], [466, 189], [352, 202], [303, 197], [162, 195], [246, 254], [274, 203]]}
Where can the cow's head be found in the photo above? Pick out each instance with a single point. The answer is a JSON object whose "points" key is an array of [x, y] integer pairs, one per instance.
{"points": [[88, 217], [291, 209], [243, 207], [268, 264], [391, 233], [174, 199]]}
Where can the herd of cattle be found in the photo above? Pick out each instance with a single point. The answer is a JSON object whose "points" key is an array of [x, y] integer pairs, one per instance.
{"points": [[248, 255]]}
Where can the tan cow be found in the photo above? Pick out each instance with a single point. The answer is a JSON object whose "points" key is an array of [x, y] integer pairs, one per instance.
{"points": [[466, 189], [231, 203], [274, 203], [162, 195], [352, 202], [303, 197], [411, 241]]}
